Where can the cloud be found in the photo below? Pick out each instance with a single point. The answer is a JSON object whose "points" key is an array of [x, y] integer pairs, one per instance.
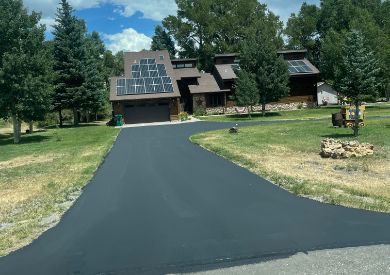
{"points": [[128, 40], [49, 22], [151, 9]]}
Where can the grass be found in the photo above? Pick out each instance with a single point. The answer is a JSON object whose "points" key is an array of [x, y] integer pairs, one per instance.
{"points": [[317, 113], [288, 155], [41, 177]]}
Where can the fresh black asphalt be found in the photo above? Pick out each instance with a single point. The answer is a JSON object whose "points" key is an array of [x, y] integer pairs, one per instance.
{"points": [[160, 204]]}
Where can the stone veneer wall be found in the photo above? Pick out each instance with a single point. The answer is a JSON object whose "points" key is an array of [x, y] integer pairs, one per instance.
{"points": [[269, 107], [199, 101]]}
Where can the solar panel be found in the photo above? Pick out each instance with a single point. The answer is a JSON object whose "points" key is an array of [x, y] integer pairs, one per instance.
{"points": [[298, 66], [147, 77]]}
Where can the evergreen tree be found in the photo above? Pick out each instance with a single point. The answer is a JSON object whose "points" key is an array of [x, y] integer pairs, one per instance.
{"points": [[246, 93], [359, 74], [69, 61], [23, 86], [163, 41], [95, 91], [259, 57]]}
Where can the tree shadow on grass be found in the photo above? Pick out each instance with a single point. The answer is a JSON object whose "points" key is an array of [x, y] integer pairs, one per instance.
{"points": [[25, 139], [70, 126], [338, 136], [254, 115]]}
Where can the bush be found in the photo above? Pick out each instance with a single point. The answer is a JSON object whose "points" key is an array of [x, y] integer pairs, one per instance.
{"points": [[183, 116], [200, 111], [368, 98]]}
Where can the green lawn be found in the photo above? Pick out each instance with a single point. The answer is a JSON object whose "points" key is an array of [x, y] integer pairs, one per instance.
{"points": [[288, 155], [41, 177], [317, 113]]}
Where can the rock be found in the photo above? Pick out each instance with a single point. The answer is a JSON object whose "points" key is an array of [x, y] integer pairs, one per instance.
{"points": [[331, 148]]}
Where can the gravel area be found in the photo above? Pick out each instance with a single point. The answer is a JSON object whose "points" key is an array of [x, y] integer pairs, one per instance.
{"points": [[360, 260]]}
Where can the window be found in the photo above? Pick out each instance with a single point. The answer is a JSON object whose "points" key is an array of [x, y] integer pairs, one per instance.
{"points": [[215, 100], [161, 57]]}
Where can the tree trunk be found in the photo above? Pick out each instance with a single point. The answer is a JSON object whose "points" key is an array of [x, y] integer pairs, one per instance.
{"points": [[263, 109], [356, 126], [87, 117], [75, 117], [17, 128], [60, 117], [31, 126], [249, 111]]}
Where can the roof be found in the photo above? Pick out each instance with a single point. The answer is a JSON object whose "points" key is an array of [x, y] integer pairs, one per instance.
{"points": [[226, 71], [134, 58], [292, 51], [314, 70], [186, 73], [184, 59], [226, 55], [207, 84]]}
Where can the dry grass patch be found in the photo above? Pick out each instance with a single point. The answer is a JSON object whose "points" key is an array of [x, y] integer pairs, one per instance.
{"points": [[41, 178], [288, 155]]}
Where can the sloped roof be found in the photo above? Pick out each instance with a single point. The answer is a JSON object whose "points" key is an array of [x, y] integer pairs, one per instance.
{"points": [[207, 84], [186, 73], [313, 69], [226, 71]]}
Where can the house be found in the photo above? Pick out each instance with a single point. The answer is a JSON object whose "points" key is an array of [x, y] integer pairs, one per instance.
{"points": [[148, 91], [303, 77], [155, 88], [326, 94]]}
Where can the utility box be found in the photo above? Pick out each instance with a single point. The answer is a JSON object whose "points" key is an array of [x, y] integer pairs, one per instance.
{"points": [[119, 120]]}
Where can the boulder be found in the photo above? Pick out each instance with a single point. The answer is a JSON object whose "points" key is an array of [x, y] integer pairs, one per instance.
{"points": [[336, 149]]}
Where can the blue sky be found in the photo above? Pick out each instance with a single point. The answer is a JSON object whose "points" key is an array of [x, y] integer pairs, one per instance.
{"points": [[129, 24]]}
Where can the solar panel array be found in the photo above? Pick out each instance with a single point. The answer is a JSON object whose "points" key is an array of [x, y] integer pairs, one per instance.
{"points": [[298, 66], [148, 78]]}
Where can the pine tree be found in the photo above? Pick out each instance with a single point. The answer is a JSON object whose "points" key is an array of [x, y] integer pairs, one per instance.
{"points": [[69, 60], [359, 74], [95, 97], [23, 67], [162, 41], [246, 94]]}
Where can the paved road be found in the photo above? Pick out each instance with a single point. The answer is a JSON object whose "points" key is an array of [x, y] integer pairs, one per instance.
{"points": [[160, 204]]}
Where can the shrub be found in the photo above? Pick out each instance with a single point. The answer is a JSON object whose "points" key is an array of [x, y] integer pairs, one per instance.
{"points": [[200, 111], [183, 116]]}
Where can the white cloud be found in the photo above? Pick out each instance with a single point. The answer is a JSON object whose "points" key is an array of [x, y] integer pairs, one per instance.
{"points": [[128, 40], [49, 22], [151, 9]]}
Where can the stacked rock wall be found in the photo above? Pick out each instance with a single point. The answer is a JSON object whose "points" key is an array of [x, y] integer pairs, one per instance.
{"points": [[268, 107]]}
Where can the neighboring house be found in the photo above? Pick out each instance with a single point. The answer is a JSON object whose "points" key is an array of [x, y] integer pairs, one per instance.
{"points": [[156, 88], [303, 77], [326, 94]]}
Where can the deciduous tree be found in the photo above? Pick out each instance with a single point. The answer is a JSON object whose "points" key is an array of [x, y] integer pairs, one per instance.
{"points": [[246, 94], [23, 86]]}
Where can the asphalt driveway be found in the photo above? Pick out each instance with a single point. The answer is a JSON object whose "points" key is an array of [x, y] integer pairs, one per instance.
{"points": [[160, 204]]}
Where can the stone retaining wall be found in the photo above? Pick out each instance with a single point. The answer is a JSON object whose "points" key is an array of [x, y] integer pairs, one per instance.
{"points": [[268, 107]]}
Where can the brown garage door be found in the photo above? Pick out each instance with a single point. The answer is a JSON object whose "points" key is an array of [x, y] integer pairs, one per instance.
{"points": [[146, 113]]}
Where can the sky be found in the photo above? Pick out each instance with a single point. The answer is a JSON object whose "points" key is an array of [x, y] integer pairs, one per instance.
{"points": [[129, 24]]}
